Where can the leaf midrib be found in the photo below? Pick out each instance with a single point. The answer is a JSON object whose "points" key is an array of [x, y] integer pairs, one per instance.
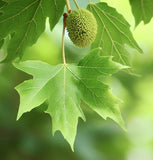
{"points": [[30, 5], [28, 27]]}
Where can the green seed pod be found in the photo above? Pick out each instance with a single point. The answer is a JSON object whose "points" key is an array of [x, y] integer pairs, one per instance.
{"points": [[81, 27]]}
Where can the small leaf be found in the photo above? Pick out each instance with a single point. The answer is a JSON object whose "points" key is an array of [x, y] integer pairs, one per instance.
{"points": [[142, 10], [25, 22], [113, 33], [64, 86]]}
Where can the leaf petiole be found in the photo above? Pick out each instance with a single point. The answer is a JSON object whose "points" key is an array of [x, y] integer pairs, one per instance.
{"points": [[64, 26], [68, 6], [76, 4]]}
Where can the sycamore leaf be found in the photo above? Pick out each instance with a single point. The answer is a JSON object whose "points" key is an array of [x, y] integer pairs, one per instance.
{"points": [[142, 10], [25, 21], [63, 86], [113, 33]]}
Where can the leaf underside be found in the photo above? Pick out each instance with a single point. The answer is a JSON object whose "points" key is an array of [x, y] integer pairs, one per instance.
{"points": [[63, 86], [25, 22], [113, 33], [142, 10]]}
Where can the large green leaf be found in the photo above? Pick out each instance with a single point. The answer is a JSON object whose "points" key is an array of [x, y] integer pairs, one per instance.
{"points": [[142, 10], [113, 33], [25, 21], [64, 86]]}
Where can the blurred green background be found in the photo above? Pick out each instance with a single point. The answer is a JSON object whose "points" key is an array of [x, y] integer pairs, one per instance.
{"points": [[30, 138]]}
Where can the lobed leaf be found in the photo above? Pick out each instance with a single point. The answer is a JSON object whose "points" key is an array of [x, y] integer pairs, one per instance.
{"points": [[113, 33], [64, 86], [25, 22]]}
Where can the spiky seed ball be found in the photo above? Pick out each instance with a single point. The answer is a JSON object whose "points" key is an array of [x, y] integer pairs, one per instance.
{"points": [[81, 27]]}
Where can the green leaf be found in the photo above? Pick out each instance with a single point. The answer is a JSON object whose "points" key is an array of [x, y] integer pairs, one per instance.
{"points": [[142, 10], [2, 3], [25, 22], [94, 91], [64, 86], [113, 33], [1, 43]]}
